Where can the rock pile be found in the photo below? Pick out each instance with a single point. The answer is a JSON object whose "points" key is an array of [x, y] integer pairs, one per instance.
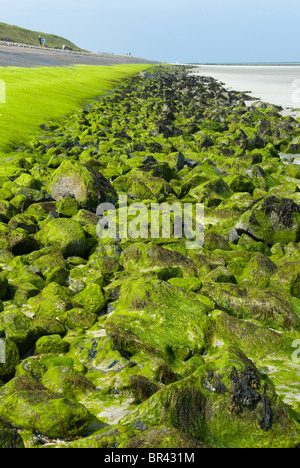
{"points": [[141, 342]]}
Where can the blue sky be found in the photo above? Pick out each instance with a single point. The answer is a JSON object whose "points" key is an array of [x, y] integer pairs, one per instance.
{"points": [[204, 31]]}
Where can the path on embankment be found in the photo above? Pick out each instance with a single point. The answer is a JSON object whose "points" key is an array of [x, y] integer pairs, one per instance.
{"points": [[21, 55]]}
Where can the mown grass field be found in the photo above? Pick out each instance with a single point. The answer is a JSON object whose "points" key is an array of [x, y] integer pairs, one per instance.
{"points": [[38, 95]]}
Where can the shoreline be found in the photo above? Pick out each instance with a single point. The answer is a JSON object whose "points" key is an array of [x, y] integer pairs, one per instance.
{"points": [[274, 84]]}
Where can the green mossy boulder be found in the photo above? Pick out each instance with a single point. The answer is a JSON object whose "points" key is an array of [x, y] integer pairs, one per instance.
{"points": [[52, 301], [49, 326], [269, 307], [7, 211], [19, 328], [23, 221], [163, 438], [78, 318], [17, 241], [67, 382], [287, 278], [67, 207], [27, 404], [272, 220], [91, 299], [240, 183], [251, 336], [151, 258], [258, 271], [225, 403], [220, 275], [214, 241], [9, 437], [75, 180], [187, 284], [66, 235], [12, 357], [51, 344], [158, 319], [211, 193], [31, 367]]}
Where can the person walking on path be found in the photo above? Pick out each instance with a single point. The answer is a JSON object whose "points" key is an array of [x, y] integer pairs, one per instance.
{"points": [[40, 40], [44, 40]]}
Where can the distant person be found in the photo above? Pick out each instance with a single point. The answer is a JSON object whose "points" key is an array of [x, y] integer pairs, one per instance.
{"points": [[44, 41], [40, 40], [63, 47]]}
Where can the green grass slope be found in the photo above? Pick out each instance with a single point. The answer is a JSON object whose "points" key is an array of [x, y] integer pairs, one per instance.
{"points": [[26, 36], [38, 95]]}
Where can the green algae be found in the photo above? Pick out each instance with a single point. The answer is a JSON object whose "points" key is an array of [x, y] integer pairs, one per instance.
{"points": [[147, 340]]}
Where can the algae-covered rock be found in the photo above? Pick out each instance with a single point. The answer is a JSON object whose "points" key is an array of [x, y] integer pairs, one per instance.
{"points": [[52, 301], [91, 299], [19, 328], [287, 278], [67, 381], [272, 220], [11, 358], [259, 271], [220, 275], [27, 404], [51, 344], [16, 240], [66, 235], [9, 437], [170, 346], [151, 258], [156, 318], [75, 180], [163, 437], [240, 183], [187, 284], [268, 306], [228, 393], [67, 207], [251, 336], [78, 318]]}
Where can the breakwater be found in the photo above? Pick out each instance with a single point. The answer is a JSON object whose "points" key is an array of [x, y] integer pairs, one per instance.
{"points": [[136, 341]]}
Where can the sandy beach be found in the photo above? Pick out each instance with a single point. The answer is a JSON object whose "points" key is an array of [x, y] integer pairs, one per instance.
{"points": [[270, 83]]}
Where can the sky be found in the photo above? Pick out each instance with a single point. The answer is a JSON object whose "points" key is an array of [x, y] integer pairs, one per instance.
{"points": [[184, 31]]}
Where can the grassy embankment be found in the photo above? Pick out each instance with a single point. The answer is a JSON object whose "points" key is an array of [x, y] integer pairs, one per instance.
{"points": [[26, 36], [38, 95]]}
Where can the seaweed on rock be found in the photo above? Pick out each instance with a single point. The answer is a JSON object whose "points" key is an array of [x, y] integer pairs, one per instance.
{"points": [[143, 342]]}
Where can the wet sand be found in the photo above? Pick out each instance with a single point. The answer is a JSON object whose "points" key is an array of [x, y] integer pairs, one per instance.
{"points": [[275, 84], [11, 56]]}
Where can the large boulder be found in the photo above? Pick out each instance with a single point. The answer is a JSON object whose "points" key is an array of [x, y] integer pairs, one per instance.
{"points": [[144, 258], [226, 401], [27, 404], [66, 235], [53, 301], [88, 187], [272, 220], [9, 437], [16, 241], [270, 307], [10, 354], [157, 319]]}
